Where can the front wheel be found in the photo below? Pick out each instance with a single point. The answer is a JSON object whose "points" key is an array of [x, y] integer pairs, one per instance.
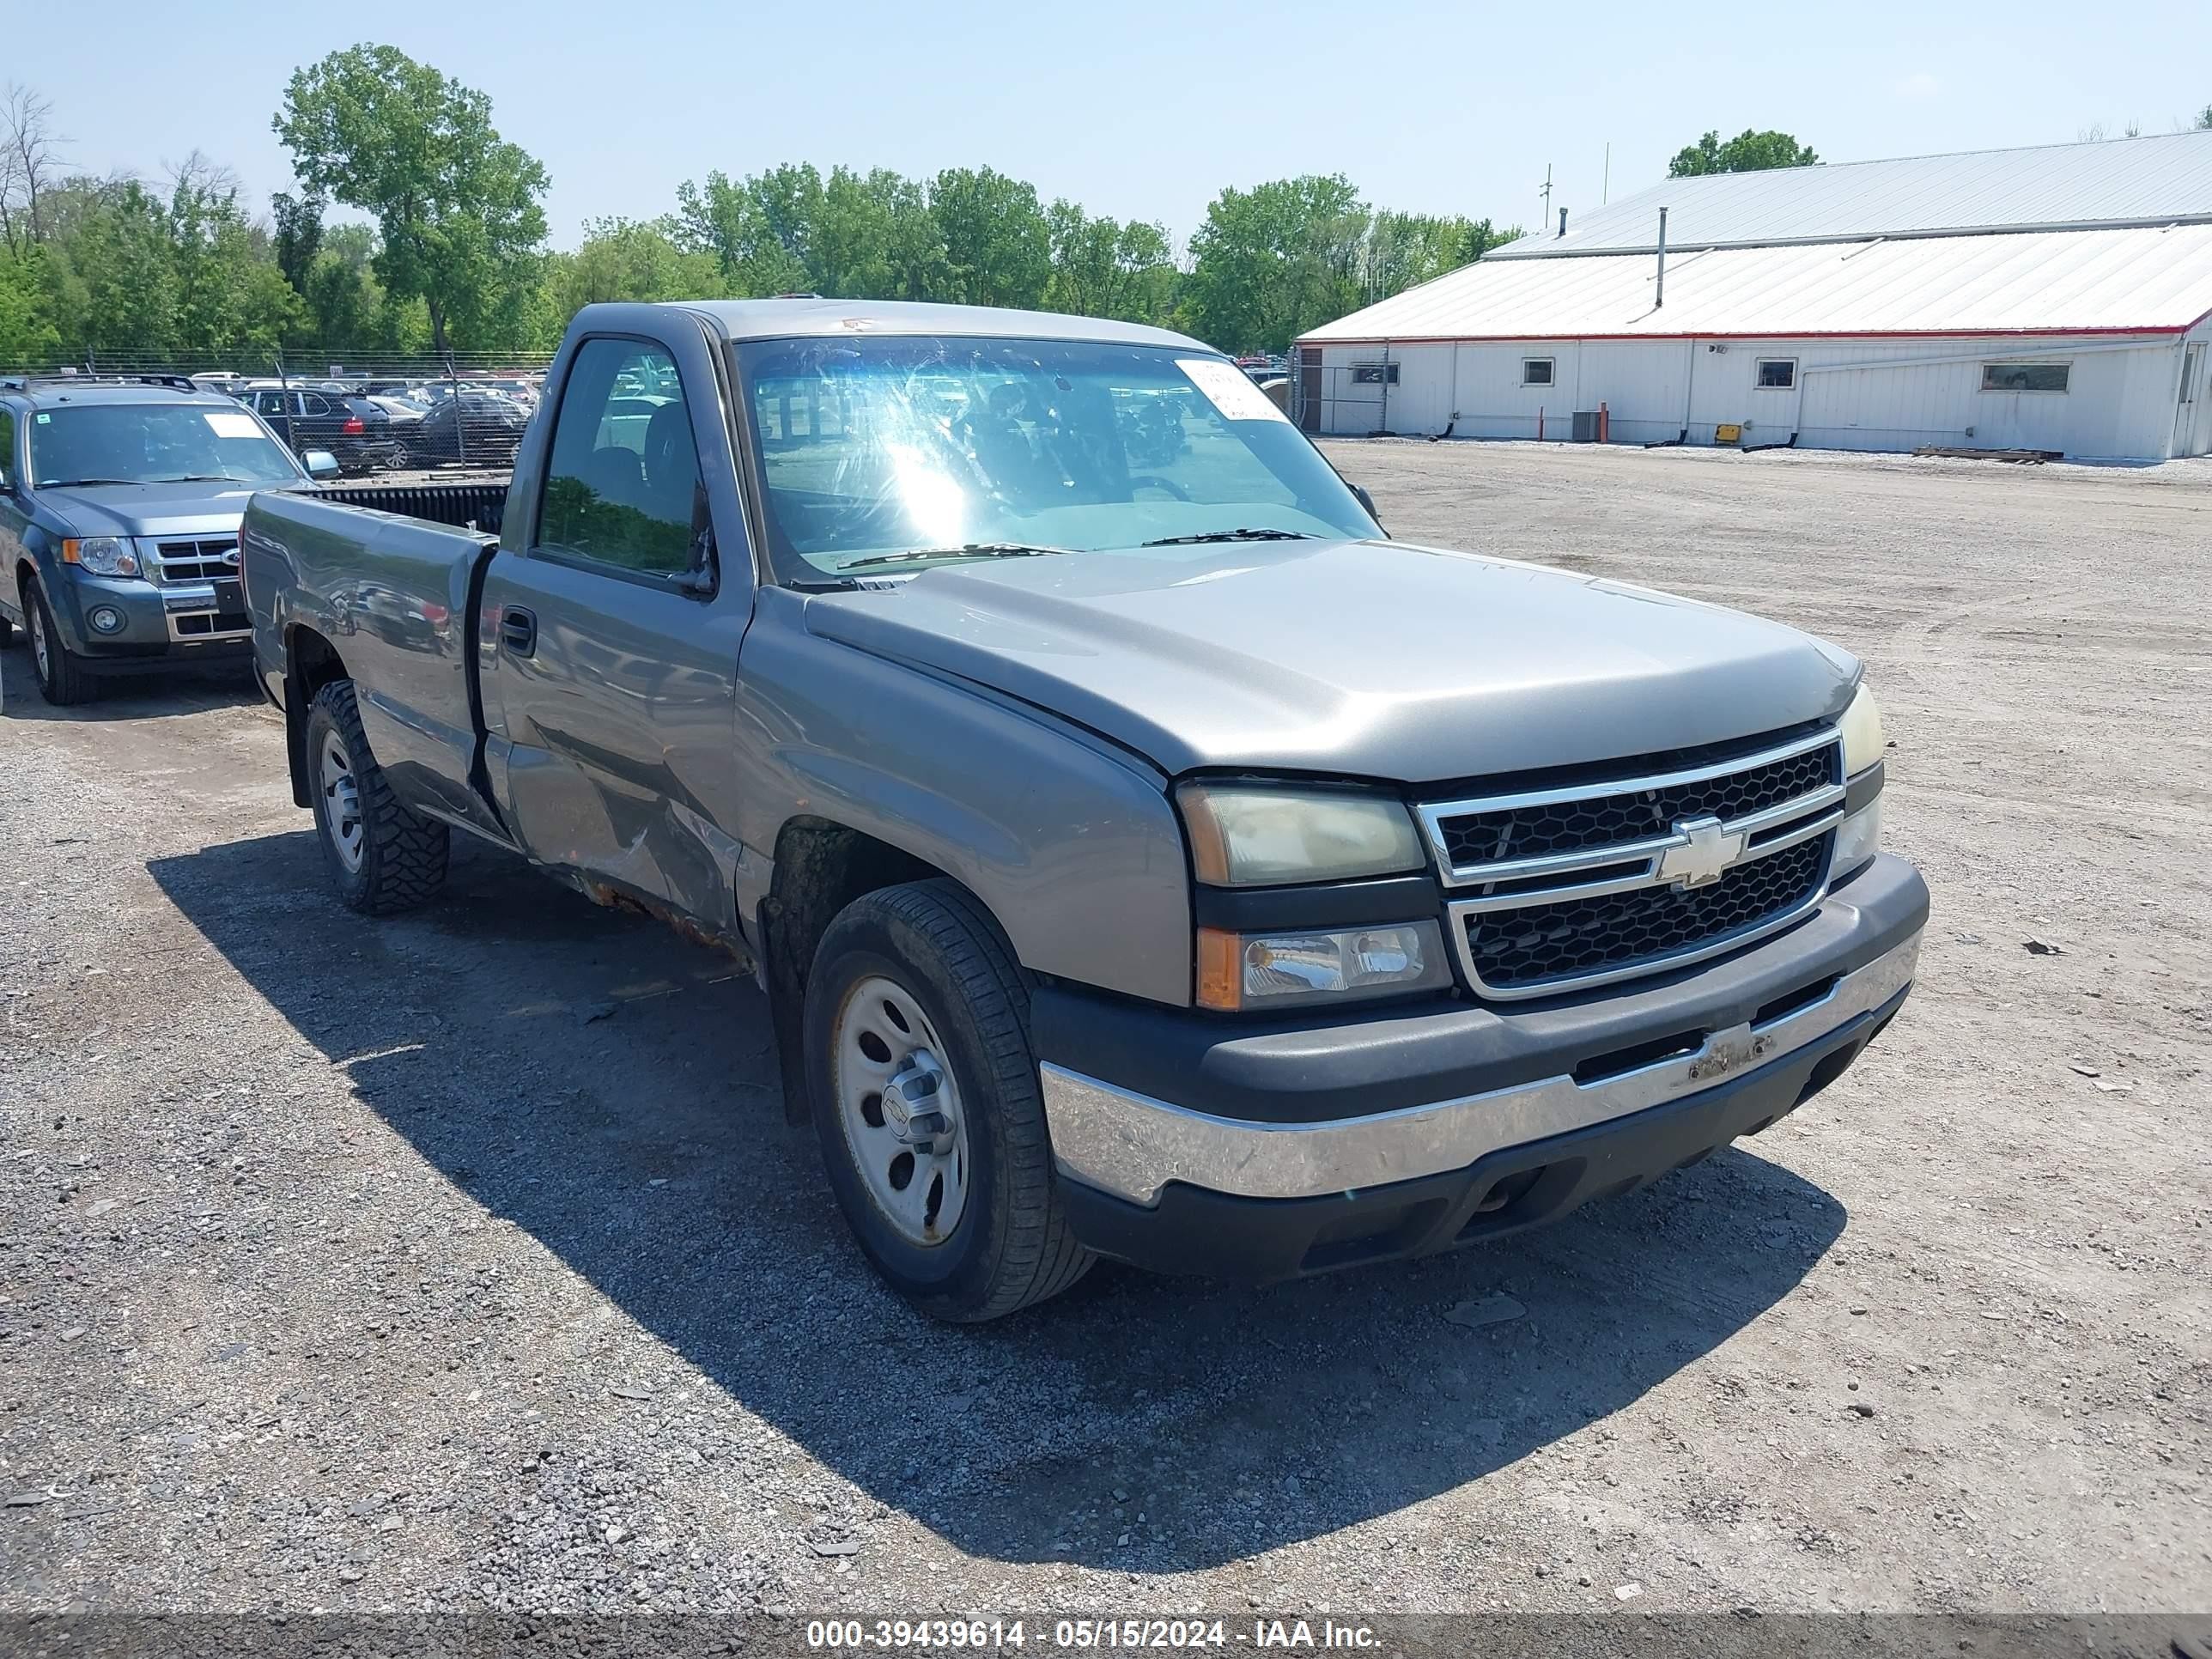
{"points": [[383, 857], [926, 1101], [63, 679]]}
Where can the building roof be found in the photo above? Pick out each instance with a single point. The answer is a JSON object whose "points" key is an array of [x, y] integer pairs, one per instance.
{"points": [[2122, 181], [2077, 281], [785, 318]]}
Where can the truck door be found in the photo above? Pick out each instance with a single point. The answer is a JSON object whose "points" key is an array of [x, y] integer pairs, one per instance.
{"points": [[611, 621]]}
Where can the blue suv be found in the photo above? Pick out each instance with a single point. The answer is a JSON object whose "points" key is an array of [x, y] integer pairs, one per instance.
{"points": [[119, 507]]}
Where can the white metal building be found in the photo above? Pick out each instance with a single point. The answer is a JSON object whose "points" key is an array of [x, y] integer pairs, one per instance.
{"points": [[2056, 298]]}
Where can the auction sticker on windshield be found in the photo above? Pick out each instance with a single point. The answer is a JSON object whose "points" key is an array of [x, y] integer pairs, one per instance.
{"points": [[231, 426], [1230, 390]]}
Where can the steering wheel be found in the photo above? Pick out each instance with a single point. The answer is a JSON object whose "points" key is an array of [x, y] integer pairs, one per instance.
{"points": [[1139, 479]]}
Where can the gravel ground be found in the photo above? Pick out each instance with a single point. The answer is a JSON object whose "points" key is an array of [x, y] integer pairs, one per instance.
{"points": [[463, 1261]]}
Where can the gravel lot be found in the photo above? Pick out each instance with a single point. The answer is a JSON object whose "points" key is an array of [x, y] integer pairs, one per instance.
{"points": [[464, 1259]]}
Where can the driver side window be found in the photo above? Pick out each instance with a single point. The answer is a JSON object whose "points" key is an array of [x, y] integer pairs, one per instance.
{"points": [[7, 447], [622, 485]]}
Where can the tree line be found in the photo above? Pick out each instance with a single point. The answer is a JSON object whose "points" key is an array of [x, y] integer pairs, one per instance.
{"points": [[453, 255]]}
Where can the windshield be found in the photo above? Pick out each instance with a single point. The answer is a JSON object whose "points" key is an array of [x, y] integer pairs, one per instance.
{"points": [[152, 443], [867, 447]]}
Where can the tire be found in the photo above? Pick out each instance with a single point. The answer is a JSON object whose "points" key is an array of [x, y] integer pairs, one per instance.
{"points": [[6, 632], [1010, 1244], [63, 679], [395, 860]]}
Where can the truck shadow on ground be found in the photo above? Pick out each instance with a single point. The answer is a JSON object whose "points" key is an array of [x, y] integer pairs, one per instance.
{"points": [[556, 1061]]}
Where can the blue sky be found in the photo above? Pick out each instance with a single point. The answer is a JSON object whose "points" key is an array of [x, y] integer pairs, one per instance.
{"points": [[1133, 110]]}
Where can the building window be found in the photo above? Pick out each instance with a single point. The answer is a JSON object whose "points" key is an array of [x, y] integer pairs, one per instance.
{"points": [[1535, 371], [1375, 374], [1780, 374], [2025, 377], [2192, 359]]}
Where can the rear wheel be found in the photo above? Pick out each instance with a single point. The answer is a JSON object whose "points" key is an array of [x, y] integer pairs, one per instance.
{"points": [[383, 857], [63, 679], [926, 1101]]}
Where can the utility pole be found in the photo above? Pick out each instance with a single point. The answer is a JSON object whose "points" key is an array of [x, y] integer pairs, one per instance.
{"points": [[1605, 190], [1546, 219]]}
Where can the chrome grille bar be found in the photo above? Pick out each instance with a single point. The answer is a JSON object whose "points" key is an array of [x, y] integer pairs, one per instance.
{"points": [[1604, 869], [1434, 815]]}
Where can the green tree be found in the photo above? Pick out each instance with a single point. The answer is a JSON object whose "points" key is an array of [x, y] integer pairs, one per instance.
{"points": [[1102, 267], [2204, 118], [458, 207], [231, 297], [1747, 152], [28, 336], [997, 243], [1275, 260], [113, 269], [753, 228], [874, 238], [298, 234], [631, 259]]}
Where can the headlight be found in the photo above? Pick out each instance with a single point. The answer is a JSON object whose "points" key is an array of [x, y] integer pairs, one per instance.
{"points": [[1237, 971], [101, 556], [1251, 835], [1862, 728], [1858, 838]]}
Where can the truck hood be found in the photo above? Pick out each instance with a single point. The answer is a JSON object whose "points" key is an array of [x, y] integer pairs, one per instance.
{"points": [[1373, 659], [152, 509]]}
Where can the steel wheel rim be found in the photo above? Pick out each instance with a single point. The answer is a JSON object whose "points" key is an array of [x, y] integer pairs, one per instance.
{"points": [[341, 803], [36, 626], [901, 1111]]}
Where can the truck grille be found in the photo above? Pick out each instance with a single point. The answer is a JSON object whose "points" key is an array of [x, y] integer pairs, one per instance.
{"points": [[1600, 821], [195, 562], [1542, 945], [1582, 883]]}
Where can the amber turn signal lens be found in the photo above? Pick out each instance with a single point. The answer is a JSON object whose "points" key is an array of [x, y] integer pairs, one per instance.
{"points": [[1220, 979]]}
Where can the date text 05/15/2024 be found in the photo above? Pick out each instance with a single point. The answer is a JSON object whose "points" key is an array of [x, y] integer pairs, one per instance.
{"points": [[1086, 1634]]}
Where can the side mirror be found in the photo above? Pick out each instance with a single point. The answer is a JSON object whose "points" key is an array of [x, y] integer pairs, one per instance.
{"points": [[1367, 502], [321, 464]]}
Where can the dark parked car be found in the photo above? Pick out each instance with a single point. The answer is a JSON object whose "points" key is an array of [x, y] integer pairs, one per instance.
{"points": [[358, 431], [475, 427]]}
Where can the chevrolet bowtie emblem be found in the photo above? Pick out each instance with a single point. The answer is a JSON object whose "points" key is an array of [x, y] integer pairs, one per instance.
{"points": [[1708, 851]]}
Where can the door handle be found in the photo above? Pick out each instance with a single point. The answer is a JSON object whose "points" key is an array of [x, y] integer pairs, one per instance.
{"points": [[517, 631]]}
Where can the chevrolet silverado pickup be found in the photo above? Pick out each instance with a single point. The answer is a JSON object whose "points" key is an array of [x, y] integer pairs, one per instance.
{"points": [[1142, 853], [119, 505]]}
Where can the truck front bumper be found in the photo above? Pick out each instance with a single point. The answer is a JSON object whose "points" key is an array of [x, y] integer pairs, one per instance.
{"points": [[1196, 1144]]}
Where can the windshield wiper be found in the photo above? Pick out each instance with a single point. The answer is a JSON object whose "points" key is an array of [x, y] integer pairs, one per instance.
{"points": [[78, 484], [205, 477], [1233, 536], [972, 551]]}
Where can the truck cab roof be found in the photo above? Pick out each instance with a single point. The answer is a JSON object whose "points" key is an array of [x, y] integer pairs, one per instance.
{"points": [[787, 319]]}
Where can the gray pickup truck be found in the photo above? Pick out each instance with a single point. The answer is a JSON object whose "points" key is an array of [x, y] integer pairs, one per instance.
{"points": [[1142, 854]]}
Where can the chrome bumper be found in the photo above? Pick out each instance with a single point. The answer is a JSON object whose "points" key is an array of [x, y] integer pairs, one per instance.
{"points": [[1131, 1146]]}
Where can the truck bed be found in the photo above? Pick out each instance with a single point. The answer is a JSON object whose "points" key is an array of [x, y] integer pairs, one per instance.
{"points": [[465, 503], [396, 597]]}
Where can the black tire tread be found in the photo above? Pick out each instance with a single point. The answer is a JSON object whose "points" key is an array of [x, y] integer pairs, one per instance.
{"points": [[406, 862], [1041, 1256], [69, 683]]}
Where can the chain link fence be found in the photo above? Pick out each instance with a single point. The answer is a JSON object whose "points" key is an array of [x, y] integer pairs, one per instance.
{"points": [[373, 413]]}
